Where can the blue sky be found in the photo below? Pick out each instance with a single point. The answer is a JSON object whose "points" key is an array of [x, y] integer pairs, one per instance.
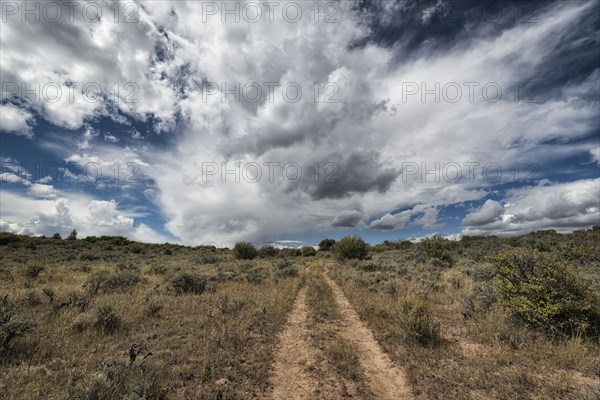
{"points": [[180, 122]]}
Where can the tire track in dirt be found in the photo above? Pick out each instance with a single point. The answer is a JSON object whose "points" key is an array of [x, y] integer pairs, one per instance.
{"points": [[294, 355], [386, 380]]}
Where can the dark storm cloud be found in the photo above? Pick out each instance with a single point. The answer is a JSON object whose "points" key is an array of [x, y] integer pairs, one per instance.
{"points": [[409, 24], [354, 173]]}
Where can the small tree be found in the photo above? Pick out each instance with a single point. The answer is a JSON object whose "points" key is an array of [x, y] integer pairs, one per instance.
{"points": [[245, 251], [56, 236], [326, 244], [72, 235], [351, 247]]}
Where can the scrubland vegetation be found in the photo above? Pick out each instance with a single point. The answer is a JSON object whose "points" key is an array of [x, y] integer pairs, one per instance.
{"points": [[109, 319], [479, 318], [486, 317]]}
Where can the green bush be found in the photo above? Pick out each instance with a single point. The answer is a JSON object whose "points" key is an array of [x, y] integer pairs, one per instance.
{"points": [[72, 235], [438, 250], [416, 322], [8, 238], [107, 320], [351, 247], [326, 244], [106, 282], [186, 282], [572, 251], [284, 269], [267, 251], [245, 251], [308, 251], [291, 252], [544, 292]]}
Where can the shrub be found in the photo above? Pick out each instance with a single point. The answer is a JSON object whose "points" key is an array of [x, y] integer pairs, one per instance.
{"points": [[209, 258], [107, 282], [122, 381], [80, 323], [255, 274], [107, 320], [326, 244], [32, 298], [308, 251], [57, 236], [545, 293], [158, 269], [351, 247], [74, 300], [284, 269], [245, 251], [8, 238], [49, 292], [72, 235], [572, 251], [291, 252], [136, 249], [168, 252], [154, 308], [11, 325], [416, 321], [186, 282], [33, 271], [437, 249], [267, 251], [88, 256]]}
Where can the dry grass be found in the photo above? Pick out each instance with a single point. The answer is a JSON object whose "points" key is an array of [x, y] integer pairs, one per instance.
{"points": [[339, 358], [483, 352], [111, 322], [111, 319]]}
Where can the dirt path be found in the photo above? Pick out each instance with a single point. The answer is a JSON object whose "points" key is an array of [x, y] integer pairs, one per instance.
{"points": [[294, 355], [300, 372], [387, 381]]}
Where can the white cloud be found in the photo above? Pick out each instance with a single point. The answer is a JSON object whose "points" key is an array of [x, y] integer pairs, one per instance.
{"points": [[15, 120], [42, 190], [105, 214], [110, 138], [419, 215], [10, 177], [168, 64], [560, 206], [391, 221], [595, 153], [64, 212]]}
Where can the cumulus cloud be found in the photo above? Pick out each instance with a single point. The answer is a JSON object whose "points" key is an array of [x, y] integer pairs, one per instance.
{"points": [[560, 206], [419, 215], [351, 152], [45, 215], [595, 153], [347, 219], [42, 190], [490, 212], [10, 177], [15, 120]]}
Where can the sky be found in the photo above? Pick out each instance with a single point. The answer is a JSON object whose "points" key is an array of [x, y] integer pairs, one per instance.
{"points": [[200, 122]]}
